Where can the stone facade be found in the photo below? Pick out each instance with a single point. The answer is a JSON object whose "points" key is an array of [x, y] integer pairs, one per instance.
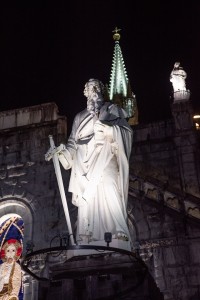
{"points": [[28, 184], [164, 203], [164, 196], [169, 151]]}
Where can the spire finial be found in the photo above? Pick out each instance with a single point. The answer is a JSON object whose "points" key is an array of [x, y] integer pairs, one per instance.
{"points": [[116, 35]]}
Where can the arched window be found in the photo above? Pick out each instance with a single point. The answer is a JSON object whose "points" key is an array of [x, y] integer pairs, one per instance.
{"points": [[16, 208]]}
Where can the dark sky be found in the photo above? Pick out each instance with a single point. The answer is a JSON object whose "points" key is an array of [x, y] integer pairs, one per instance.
{"points": [[50, 49]]}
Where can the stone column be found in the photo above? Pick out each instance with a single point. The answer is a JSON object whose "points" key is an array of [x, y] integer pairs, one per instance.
{"points": [[26, 287], [34, 293]]}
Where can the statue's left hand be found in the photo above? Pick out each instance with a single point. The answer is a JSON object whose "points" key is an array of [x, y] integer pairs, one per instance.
{"points": [[103, 132], [99, 135]]}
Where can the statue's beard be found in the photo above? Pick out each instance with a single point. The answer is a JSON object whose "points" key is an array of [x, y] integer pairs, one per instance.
{"points": [[94, 106]]}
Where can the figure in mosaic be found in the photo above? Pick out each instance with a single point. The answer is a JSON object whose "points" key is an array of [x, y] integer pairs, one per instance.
{"points": [[11, 236], [97, 152], [10, 271]]}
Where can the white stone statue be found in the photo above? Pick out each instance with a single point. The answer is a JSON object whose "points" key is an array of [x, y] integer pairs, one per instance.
{"points": [[177, 78], [98, 151], [10, 270]]}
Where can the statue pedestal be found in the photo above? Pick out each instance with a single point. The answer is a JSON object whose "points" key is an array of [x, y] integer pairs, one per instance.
{"points": [[93, 272], [181, 96], [116, 243], [101, 276]]}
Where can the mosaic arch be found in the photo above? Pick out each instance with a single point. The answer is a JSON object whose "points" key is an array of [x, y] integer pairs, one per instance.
{"points": [[15, 207]]}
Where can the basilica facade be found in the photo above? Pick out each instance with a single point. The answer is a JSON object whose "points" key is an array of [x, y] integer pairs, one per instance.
{"points": [[163, 202]]}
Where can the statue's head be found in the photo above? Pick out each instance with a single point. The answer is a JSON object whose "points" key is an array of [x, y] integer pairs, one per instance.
{"points": [[93, 86], [94, 91]]}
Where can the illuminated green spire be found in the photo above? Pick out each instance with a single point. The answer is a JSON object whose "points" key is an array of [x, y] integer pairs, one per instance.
{"points": [[118, 79], [119, 88]]}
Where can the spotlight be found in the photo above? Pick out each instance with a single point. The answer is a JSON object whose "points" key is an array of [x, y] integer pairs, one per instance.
{"points": [[108, 238]]}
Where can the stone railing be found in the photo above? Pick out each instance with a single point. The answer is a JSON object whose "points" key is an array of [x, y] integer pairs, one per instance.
{"points": [[183, 203], [28, 115]]}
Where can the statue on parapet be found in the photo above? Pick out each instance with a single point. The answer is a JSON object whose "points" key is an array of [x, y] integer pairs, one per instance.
{"points": [[98, 152], [177, 78]]}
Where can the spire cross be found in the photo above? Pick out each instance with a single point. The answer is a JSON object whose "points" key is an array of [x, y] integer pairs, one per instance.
{"points": [[116, 30]]}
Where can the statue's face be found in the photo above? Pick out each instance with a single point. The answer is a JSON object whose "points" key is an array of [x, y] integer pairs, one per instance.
{"points": [[89, 89], [10, 251]]}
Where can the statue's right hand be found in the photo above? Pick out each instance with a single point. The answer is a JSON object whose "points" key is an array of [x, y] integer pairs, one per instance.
{"points": [[48, 156], [51, 152]]}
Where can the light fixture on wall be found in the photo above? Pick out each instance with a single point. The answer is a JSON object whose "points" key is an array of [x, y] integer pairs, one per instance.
{"points": [[29, 246]]}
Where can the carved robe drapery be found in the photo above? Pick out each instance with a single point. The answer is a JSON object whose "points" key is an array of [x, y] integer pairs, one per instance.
{"points": [[98, 151]]}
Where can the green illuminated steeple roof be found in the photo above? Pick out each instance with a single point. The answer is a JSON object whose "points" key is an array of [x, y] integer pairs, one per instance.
{"points": [[119, 78], [119, 87]]}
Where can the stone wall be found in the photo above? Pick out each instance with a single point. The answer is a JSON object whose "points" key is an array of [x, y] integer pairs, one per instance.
{"points": [[164, 202], [166, 227], [161, 152], [28, 184]]}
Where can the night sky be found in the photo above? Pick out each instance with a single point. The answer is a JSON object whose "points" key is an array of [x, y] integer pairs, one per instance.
{"points": [[50, 49]]}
